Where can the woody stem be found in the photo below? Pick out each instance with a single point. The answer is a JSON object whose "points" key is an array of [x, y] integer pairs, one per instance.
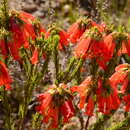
{"points": [[7, 110], [87, 123]]}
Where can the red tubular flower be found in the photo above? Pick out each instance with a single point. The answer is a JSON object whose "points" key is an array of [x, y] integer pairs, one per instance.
{"points": [[126, 100], [50, 105], [124, 85], [105, 50], [77, 29], [21, 32], [107, 101], [52, 113], [82, 48], [122, 67], [83, 90], [27, 26], [120, 76], [45, 100], [67, 110], [26, 16], [108, 46], [127, 44], [3, 49], [47, 109], [90, 107], [34, 58], [17, 32], [29, 31], [99, 53], [4, 76], [14, 50], [125, 49], [63, 39], [75, 32], [101, 104], [87, 47]]}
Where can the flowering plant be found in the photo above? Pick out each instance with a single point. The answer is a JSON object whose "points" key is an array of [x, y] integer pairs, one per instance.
{"points": [[94, 82]]}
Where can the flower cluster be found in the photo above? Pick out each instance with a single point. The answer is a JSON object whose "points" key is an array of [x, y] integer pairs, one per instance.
{"points": [[54, 103], [26, 41]]}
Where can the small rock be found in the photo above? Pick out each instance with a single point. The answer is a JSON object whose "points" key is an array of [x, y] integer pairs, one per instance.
{"points": [[38, 14], [30, 8], [66, 8]]}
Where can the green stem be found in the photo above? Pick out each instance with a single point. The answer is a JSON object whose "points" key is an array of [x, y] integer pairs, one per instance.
{"points": [[44, 69], [80, 63], [56, 62], [87, 123], [78, 77], [64, 75], [31, 83], [56, 58], [7, 110], [5, 12]]}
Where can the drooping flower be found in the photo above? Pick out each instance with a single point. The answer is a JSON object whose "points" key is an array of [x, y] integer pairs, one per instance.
{"points": [[78, 28], [85, 45], [52, 113], [14, 51], [34, 58], [83, 90], [3, 48], [125, 49], [105, 50], [82, 48], [107, 98], [67, 110], [90, 107], [127, 44], [17, 32], [120, 76], [55, 103], [126, 100], [47, 109], [5, 79], [63, 39], [45, 99], [91, 46], [108, 46], [17, 39], [21, 28], [29, 31], [75, 32], [28, 28]]}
